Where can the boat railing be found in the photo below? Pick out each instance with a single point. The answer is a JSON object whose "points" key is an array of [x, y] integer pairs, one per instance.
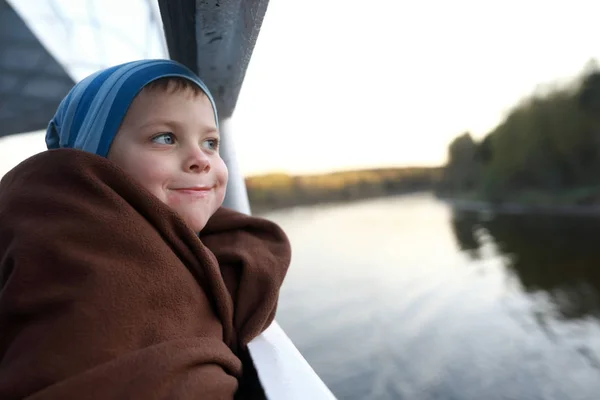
{"points": [[283, 372]]}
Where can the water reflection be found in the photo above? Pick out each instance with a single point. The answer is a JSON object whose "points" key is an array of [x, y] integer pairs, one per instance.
{"points": [[402, 298], [553, 255]]}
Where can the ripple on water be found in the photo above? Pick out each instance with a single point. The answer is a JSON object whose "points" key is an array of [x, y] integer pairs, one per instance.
{"points": [[399, 298]]}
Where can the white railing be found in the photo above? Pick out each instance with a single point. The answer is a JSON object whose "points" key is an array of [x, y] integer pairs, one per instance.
{"points": [[283, 372]]}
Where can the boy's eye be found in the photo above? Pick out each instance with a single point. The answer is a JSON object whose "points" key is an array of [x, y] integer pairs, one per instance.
{"points": [[164, 138], [211, 144]]}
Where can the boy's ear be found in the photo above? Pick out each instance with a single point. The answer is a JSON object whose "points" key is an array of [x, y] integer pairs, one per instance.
{"points": [[52, 137]]}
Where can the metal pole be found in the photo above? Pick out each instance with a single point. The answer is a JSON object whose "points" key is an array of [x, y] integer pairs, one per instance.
{"points": [[156, 19], [237, 196]]}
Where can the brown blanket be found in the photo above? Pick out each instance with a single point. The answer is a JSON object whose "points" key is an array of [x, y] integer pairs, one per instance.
{"points": [[107, 294]]}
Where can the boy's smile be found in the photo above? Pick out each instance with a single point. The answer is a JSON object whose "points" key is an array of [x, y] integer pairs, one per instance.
{"points": [[169, 143]]}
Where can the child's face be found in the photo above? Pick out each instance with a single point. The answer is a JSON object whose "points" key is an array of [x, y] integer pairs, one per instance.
{"points": [[168, 142]]}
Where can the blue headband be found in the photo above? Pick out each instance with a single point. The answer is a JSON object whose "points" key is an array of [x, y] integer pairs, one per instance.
{"points": [[89, 117]]}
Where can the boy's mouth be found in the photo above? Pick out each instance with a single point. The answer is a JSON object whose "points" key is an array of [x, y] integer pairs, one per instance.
{"points": [[195, 188], [198, 191]]}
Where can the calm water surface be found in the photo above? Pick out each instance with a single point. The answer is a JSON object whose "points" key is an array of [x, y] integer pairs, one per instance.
{"points": [[402, 298]]}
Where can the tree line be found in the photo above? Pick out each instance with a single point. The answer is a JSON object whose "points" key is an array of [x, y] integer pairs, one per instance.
{"points": [[547, 147], [273, 191]]}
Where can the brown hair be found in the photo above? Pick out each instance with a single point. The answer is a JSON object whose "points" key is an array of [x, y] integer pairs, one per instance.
{"points": [[174, 84]]}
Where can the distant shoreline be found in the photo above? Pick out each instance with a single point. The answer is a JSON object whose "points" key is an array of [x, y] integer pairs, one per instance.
{"points": [[258, 208], [280, 191], [520, 208]]}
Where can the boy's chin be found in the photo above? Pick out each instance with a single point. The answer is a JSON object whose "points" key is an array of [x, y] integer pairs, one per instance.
{"points": [[196, 218], [197, 223]]}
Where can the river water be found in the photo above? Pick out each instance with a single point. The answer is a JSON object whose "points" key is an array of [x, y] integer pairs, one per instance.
{"points": [[404, 298]]}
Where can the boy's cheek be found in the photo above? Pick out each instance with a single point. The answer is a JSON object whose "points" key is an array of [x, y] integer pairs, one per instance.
{"points": [[222, 172]]}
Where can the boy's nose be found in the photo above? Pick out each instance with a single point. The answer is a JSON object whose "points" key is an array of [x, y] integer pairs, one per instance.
{"points": [[197, 161]]}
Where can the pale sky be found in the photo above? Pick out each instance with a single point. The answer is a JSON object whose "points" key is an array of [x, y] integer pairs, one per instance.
{"points": [[337, 84]]}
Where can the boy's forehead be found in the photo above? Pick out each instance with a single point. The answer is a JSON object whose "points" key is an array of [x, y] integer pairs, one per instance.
{"points": [[153, 105]]}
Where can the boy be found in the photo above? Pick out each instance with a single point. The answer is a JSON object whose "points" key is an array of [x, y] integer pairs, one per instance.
{"points": [[122, 276], [170, 119]]}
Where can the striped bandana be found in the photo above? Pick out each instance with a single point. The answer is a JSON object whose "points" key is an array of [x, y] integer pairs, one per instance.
{"points": [[89, 117]]}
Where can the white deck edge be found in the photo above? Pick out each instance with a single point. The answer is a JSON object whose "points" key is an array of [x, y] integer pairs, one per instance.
{"points": [[282, 370]]}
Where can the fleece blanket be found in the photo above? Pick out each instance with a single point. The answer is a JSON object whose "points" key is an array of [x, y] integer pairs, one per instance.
{"points": [[107, 294]]}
